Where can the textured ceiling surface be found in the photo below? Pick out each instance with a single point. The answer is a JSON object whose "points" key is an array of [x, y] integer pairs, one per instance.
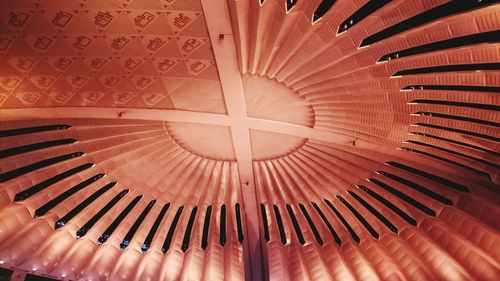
{"points": [[376, 155], [144, 54]]}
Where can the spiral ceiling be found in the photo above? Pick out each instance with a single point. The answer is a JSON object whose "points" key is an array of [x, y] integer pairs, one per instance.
{"points": [[249, 140]]}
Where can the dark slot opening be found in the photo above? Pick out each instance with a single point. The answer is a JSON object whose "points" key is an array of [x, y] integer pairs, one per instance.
{"points": [[461, 118], [152, 232], [454, 152], [449, 68], [6, 274], [34, 146], [112, 227], [279, 221], [76, 210], [261, 2], [389, 205], [429, 176], [369, 8], [405, 197], [473, 39], [290, 4], [322, 9], [238, 222], [130, 234], [171, 230], [448, 9], [37, 165], [189, 229], [53, 180], [31, 277], [456, 103], [353, 210], [85, 228], [222, 226], [311, 224], [328, 225], [468, 88], [418, 188], [65, 195], [295, 224], [484, 174], [474, 134], [206, 228], [31, 130], [455, 142], [344, 222], [263, 213], [376, 213]]}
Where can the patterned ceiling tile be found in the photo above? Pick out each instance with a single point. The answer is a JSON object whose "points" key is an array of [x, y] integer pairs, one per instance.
{"points": [[106, 53]]}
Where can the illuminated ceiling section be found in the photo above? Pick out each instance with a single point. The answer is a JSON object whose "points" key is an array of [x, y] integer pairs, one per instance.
{"points": [[249, 140]]}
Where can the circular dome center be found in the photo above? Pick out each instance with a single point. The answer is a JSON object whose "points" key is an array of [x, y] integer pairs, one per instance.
{"points": [[264, 99]]}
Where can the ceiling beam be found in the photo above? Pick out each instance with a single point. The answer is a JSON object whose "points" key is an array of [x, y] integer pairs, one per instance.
{"points": [[224, 47], [115, 113], [171, 115]]}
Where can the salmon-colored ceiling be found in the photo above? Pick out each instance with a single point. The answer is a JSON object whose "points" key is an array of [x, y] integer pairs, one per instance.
{"points": [[249, 139]]}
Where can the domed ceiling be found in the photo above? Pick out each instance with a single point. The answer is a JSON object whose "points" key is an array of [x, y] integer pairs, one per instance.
{"points": [[249, 140]]}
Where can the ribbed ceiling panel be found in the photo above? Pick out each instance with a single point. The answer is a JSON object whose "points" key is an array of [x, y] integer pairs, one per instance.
{"points": [[136, 156], [250, 139]]}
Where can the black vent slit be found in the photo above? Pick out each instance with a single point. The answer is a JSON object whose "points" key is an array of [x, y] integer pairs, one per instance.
{"points": [[434, 178], [32, 277], [206, 228], [418, 187], [37, 165], [239, 223], [53, 180], [465, 88], [376, 213], [457, 103], [34, 146], [65, 195], [360, 218], [112, 227], [152, 232], [222, 225], [189, 229], [87, 226], [171, 230], [32, 130], [459, 131], [290, 4], [369, 8], [455, 142], [484, 174], [449, 68], [447, 9], [459, 118], [389, 205], [311, 224], [322, 9], [265, 223], [343, 220], [130, 234], [296, 225], [473, 39], [279, 221], [328, 224], [76, 210], [454, 152], [404, 197]]}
